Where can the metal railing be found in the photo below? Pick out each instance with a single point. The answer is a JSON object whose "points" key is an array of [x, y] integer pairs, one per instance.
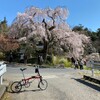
{"points": [[94, 65], [2, 70]]}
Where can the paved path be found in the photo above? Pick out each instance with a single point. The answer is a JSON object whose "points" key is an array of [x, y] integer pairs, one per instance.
{"points": [[63, 84]]}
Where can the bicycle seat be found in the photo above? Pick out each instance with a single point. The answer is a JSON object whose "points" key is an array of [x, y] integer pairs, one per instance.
{"points": [[22, 69]]}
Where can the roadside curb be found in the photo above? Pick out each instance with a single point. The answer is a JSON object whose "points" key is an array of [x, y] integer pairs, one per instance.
{"points": [[2, 90], [92, 79]]}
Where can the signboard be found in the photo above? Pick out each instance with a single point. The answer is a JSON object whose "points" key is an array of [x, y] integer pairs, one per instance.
{"points": [[89, 63], [2, 70], [93, 65], [39, 47], [96, 64]]}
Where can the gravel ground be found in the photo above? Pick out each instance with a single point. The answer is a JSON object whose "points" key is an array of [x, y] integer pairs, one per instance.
{"points": [[63, 86]]}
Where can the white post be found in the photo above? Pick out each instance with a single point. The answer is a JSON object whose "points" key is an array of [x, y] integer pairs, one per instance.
{"points": [[92, 63], [2, 71], [0, 80], [92, 72]]}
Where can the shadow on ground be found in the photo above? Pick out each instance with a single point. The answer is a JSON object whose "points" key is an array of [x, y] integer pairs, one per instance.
{"points": [[94, 86], [35, 90]]}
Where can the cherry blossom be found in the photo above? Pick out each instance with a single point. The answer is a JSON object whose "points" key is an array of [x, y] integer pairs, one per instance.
{"points": [[50, 26]]}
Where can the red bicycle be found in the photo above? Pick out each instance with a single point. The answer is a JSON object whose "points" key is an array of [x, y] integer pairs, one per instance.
{"points": [[17, 85]]}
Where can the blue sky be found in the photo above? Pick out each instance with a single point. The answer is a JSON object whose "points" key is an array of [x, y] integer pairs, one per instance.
{"points": [[85, 12]]}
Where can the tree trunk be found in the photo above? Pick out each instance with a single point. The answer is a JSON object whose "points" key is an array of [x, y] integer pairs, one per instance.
{"points": [[45, 50]]}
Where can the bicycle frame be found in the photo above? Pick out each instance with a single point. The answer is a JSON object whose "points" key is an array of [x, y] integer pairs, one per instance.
{"points": [[17, 85], [27, 80]]}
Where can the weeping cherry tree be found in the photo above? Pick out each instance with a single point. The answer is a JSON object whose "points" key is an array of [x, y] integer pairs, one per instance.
{"points": [[50, 27]]}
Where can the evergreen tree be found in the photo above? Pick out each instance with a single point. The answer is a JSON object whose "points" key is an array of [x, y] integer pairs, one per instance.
{"points": [[3, 26]]}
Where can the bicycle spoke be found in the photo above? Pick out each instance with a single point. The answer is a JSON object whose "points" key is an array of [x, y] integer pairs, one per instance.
{"points": [[16, 87], [43, 84]]}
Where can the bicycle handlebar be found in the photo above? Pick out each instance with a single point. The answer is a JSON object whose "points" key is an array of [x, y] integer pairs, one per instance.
{"points": [[36, 70], [22, 69]]}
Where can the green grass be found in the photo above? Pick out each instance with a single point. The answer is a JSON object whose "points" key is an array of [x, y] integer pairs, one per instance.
{"points": [[87, 68], [96, 71]]}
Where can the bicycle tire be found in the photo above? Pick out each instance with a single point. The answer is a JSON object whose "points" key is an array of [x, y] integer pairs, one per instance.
{"points": [[43, 84], [16, 87]]}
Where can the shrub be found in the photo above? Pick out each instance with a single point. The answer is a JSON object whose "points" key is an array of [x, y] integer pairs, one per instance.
{"points": [[2, 56], [32, 60], [65, 62], [49, 58], [61, 60], [55, 60]]}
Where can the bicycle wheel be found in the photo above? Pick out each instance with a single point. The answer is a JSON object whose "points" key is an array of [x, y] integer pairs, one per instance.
{"points": [[43, 84], [16, 87]]}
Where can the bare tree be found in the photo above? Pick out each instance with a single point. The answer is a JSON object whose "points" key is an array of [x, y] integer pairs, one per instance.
{"points": [[7, 44]]}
